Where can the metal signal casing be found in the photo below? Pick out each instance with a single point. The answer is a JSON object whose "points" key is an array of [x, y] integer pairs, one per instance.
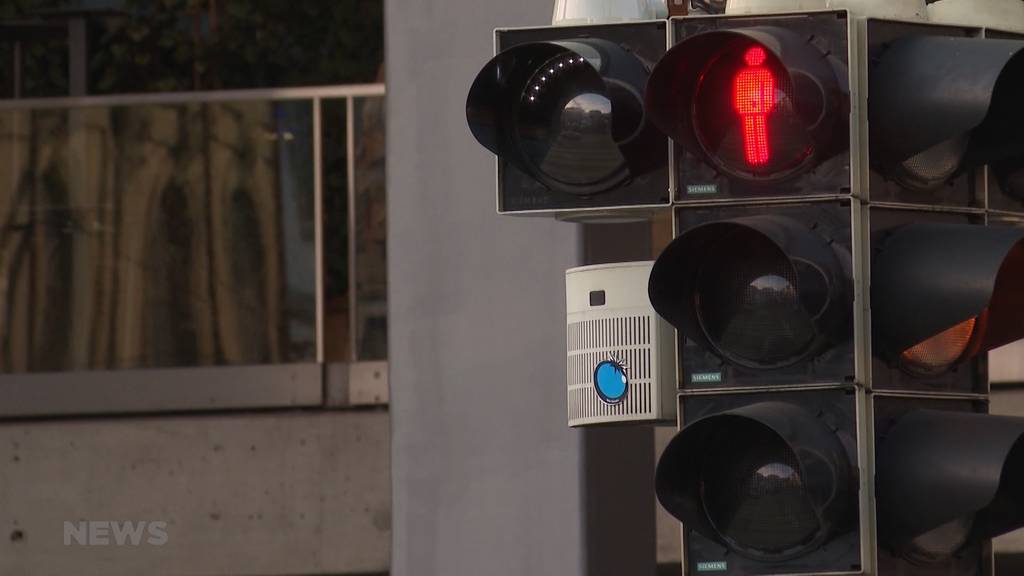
{"points": [[611, 329], [546, 162]]}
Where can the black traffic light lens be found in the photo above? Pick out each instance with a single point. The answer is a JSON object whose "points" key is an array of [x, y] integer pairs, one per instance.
{"points": [[751, 117], [770, 481], [755, 305], [753, 491], [566, 127], [569, 114]]}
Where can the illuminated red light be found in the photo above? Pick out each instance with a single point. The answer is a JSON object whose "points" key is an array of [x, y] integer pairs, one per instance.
{"points": [[754, 99]]}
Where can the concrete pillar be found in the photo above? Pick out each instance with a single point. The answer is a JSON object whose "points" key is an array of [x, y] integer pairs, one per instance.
{"points": [[487, 477]]}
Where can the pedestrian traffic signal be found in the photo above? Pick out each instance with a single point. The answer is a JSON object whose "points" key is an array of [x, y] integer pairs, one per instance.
{"points": [[758, 106], [562, 108]]}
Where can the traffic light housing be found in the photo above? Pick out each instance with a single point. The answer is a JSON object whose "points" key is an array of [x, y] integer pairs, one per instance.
{"points": [[760, 298], [766, 482], [562, 109], [758, 106], [766, 472]]}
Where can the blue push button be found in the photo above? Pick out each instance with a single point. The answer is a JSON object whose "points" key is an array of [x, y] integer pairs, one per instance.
{"points": [[610, 381]]}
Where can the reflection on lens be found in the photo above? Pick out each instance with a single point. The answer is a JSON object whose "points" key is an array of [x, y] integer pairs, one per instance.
{"points": [[753, 491], [565, 125], [581, 148], [751, 305]]}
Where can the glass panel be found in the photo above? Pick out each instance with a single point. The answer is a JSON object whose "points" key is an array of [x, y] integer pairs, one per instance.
{"points": [[371, 230], [155, 236], [334, 144]]}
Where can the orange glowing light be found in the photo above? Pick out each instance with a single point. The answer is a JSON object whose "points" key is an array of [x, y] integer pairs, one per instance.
{"points": [[941, 351]]}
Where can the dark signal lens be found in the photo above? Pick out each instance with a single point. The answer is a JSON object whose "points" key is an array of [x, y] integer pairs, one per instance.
{"points": [[751, 118], [754, 493], [755, 305], [566, 126]]}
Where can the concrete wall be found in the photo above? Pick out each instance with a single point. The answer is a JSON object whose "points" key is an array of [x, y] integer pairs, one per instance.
{"points": [[245, 494], [1006, 364]]}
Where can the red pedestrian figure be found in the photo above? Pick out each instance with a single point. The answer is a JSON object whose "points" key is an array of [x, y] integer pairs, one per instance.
{"points": [[754, 92]]}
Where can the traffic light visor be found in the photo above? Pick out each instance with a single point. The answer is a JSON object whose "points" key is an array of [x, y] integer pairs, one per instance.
{"points": [[962, 96], [972, 463]]}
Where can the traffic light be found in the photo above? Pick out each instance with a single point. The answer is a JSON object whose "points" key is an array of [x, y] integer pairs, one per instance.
{"points": [[765, 474], [562, 108], [835, 292], [847, 196], [758, 107]]}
